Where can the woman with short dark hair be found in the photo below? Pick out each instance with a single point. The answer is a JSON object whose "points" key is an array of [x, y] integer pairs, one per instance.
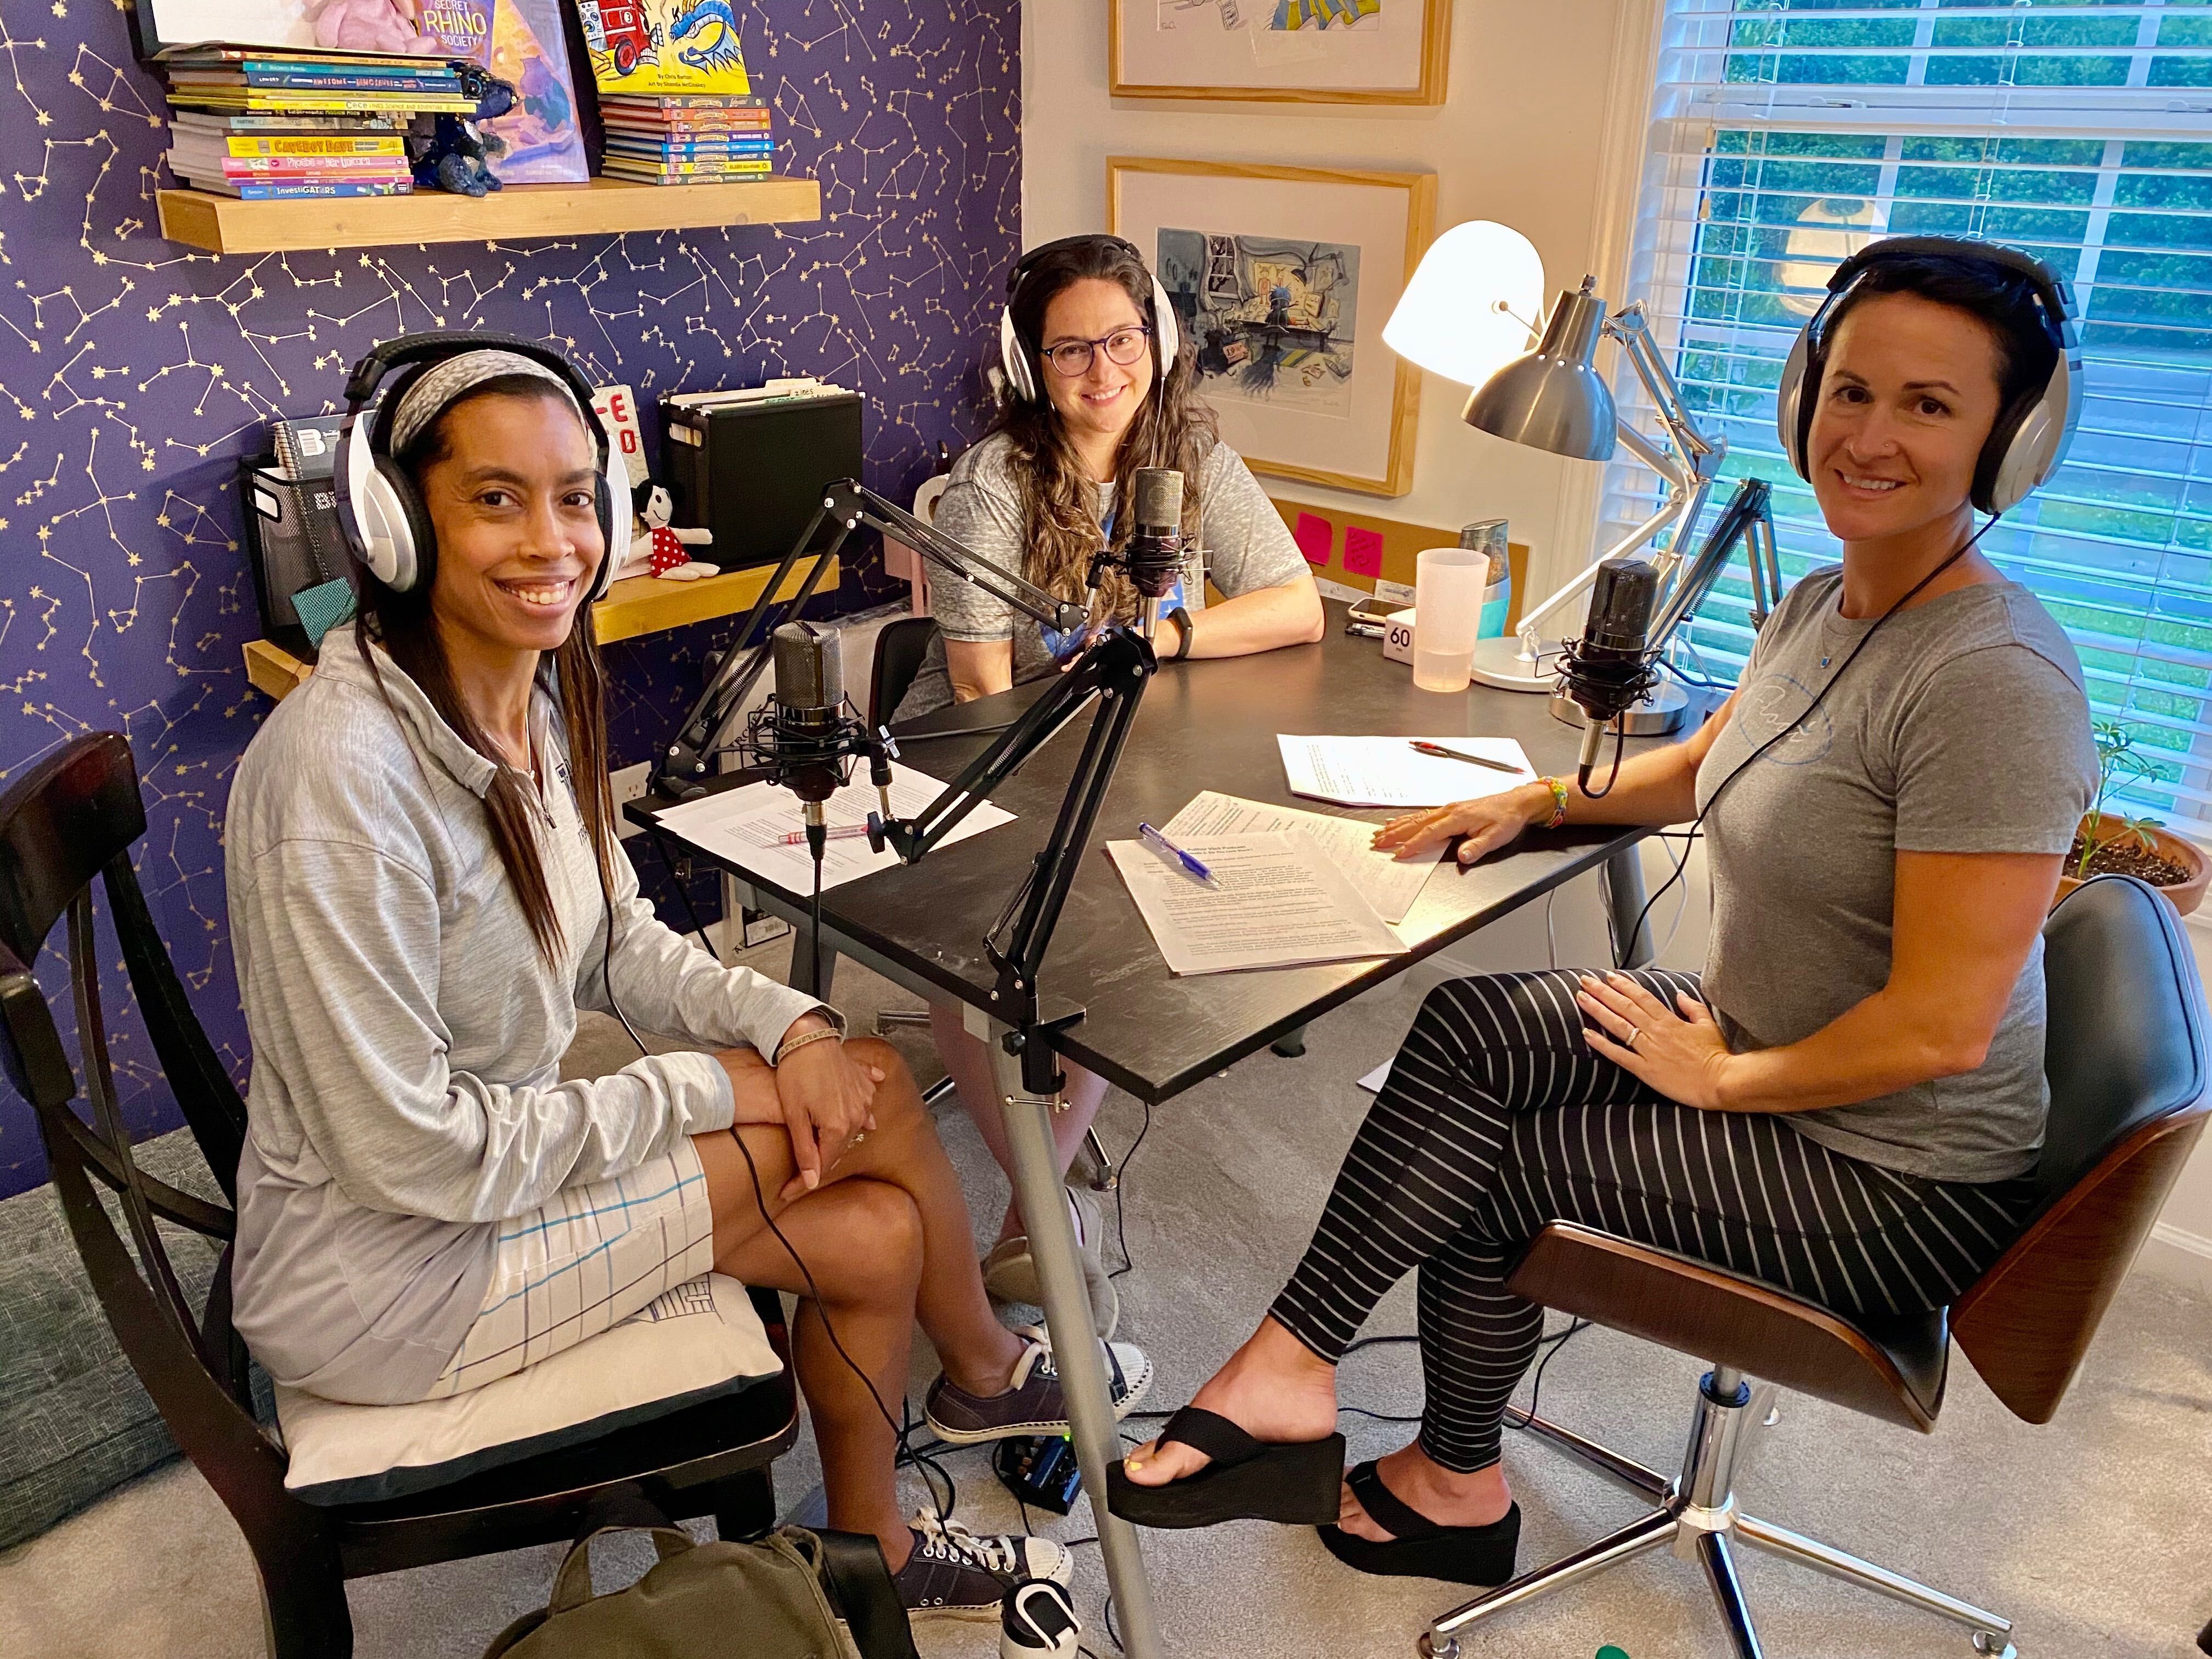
{"points": [[1849, 1101]]}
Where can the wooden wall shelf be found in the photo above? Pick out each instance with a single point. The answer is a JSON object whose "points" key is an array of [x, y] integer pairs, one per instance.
{"points": [[223, 224], [643, 604]]}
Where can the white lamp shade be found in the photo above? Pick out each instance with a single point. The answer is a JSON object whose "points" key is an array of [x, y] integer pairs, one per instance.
{"points": [[1448, 320]]}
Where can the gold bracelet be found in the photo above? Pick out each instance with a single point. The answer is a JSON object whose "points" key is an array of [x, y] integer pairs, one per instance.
{"points": [[791, 1045], [1558, 789]]}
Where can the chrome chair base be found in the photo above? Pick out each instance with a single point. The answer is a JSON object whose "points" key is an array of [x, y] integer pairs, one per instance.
{"points": [[1697, 1519]]}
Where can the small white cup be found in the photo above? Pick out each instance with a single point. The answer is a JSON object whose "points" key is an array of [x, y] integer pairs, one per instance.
{"points": [[1448, 586]]}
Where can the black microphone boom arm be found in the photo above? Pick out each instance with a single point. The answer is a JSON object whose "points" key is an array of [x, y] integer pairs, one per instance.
{"points": [[1111, 673], [688, 760]]}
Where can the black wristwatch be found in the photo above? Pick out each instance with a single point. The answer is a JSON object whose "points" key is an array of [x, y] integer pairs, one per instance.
{"points": [[1181, 618]]}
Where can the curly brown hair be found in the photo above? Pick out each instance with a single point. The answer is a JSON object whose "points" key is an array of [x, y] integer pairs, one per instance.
{"points": [[1173, 428]]}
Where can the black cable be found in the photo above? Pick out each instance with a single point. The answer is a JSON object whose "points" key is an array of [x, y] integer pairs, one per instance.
{"points": [[1120, 1186], [1536, 1385], [682, 892], [1713, 801]]}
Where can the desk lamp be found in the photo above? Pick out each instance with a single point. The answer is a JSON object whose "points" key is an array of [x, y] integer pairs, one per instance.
{"points": [[1553, 398]]}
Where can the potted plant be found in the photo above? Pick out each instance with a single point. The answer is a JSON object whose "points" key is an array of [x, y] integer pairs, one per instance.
{"points": [[2110, 843]]}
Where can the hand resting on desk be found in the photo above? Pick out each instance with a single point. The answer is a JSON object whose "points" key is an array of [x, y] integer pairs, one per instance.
{"points": [[1484, 826]]}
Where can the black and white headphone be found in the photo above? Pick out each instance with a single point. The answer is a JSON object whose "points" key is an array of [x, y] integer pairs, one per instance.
{"points": [[2031, 436], [385, 522], [1015, 353]]}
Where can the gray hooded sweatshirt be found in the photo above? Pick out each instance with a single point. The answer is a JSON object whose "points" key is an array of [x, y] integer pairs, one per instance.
{"points": [[407, 1034]]}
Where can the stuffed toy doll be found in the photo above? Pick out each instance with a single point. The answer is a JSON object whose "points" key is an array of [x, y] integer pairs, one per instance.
{"points": [[659, 550]]}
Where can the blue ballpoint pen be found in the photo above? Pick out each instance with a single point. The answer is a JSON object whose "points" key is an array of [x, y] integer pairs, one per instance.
{"points": [[1189, 864]]}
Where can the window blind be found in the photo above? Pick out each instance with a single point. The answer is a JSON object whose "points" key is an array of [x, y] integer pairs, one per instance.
{"points": [[1788, 133]]}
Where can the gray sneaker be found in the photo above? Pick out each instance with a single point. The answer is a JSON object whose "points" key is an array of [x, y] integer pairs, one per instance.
{"points": [[954, 1574], [1031, 1403], [1010, 1272]]}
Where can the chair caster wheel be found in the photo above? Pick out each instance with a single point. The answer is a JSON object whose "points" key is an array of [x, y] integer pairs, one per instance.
{"points": [[1429, 1648], [1995, 1646]]}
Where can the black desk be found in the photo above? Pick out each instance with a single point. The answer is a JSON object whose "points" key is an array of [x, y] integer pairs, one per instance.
{"points": [[1202, 726]]}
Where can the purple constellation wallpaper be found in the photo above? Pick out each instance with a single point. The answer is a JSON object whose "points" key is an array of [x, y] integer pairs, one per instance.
{"points": [[134, 371]]}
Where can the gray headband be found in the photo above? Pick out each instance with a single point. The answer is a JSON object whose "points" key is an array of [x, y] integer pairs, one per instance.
{"points": [[429, 393]]}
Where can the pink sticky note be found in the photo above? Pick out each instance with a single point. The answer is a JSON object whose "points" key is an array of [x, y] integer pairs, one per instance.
{"points": [[1363, 552], [1313, 535]]}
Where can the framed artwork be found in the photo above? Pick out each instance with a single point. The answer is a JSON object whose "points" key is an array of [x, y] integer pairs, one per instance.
{"points": [[1303, 51], [1281, 279]]}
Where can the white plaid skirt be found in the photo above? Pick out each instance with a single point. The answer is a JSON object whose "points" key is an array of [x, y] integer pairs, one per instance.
{"points": [[589, 1258]]}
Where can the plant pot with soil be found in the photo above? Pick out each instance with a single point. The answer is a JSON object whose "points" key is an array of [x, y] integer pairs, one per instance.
{"points": [[2110, 843]]}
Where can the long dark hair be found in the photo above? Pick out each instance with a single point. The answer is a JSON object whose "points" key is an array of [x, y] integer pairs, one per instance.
{"points": [[1059, 500], [403, 624]]}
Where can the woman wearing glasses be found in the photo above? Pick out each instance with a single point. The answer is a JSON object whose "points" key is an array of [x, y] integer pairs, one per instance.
{"points": [[1090, 401]]}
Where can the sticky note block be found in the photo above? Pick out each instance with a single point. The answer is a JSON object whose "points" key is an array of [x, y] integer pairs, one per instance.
{"points": [[1313, 534], [1363, 552]]}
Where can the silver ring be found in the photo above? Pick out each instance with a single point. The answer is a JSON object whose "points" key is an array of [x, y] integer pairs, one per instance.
{"points": [[1629, 1041]]}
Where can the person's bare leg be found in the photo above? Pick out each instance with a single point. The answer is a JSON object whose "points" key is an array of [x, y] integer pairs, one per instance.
{"points": [[1445, 1496], [861, 1241], [1274, 1387], [903, 1151], [968, 1063]]}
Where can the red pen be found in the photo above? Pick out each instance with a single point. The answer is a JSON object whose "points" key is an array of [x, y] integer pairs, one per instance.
{"points": [[834, 832]]}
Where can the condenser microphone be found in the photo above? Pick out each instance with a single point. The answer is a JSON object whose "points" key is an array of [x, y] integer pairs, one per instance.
{"points": [[1156, 545], [1608, 670], [810, 703]]}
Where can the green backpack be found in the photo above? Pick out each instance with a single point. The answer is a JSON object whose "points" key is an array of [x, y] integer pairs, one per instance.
{"points": [[791, 1594]]}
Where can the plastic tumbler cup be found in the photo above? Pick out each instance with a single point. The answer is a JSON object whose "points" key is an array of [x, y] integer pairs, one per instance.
{"points": [[1448, 584]]}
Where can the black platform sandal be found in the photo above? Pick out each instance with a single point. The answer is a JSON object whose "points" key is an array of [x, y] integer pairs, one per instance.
{"points": [[1420, 1548], [1249, 1479]]}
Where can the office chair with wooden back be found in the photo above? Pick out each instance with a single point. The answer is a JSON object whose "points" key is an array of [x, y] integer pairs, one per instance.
{"points": [[74, 817], [2126, 1054]]}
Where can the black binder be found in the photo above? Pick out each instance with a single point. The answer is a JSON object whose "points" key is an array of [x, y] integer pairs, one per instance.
{"points": [[753, 473]]}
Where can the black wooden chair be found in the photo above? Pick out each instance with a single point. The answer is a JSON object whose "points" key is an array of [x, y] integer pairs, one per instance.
{"points": [[72, 817], [2130, 1063]]}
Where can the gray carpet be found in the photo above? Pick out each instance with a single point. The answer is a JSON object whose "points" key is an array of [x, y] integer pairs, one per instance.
{"points": [[2089, 1532]]}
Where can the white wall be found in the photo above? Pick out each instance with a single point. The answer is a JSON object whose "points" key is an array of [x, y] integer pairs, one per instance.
{"points": [[1542, 131], [1522, 141]]}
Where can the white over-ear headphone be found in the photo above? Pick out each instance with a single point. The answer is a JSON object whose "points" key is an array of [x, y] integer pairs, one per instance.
{"points": [[1018, 354], [2031, 434], [385, 522]]}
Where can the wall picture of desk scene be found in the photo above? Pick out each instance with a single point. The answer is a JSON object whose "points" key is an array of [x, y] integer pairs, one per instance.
{"points": [[1281, 278], [1314, 51]]}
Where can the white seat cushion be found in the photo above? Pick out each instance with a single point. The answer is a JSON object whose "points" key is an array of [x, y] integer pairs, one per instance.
{"points": [[698, 1341]]}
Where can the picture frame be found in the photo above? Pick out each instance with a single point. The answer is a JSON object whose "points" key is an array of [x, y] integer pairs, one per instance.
{"points": [[1282, 278], [156, 24], [1299, 52]]}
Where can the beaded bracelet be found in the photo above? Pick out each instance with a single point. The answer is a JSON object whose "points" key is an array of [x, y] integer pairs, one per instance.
{"points": [[792, 1045], [1558, 789]]}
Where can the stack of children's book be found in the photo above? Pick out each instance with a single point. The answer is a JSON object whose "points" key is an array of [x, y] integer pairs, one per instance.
{"points": [[687, 140], [675, 100], [266, 122]]}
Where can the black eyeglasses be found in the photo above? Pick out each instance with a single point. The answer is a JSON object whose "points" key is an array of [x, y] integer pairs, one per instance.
{"points": [[1124, 346]]}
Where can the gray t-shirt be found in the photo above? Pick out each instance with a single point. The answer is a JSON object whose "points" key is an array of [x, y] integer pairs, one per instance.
{"points": [[1962, 727], [1247, 547]]}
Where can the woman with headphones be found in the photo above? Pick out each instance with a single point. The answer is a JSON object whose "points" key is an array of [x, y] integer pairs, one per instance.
{"points": [[1851, 1099], [425, 885], [1101, 383]]}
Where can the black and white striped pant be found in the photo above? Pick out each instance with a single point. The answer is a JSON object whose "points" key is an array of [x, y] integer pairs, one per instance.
{"points": [[1496, 1118]]}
